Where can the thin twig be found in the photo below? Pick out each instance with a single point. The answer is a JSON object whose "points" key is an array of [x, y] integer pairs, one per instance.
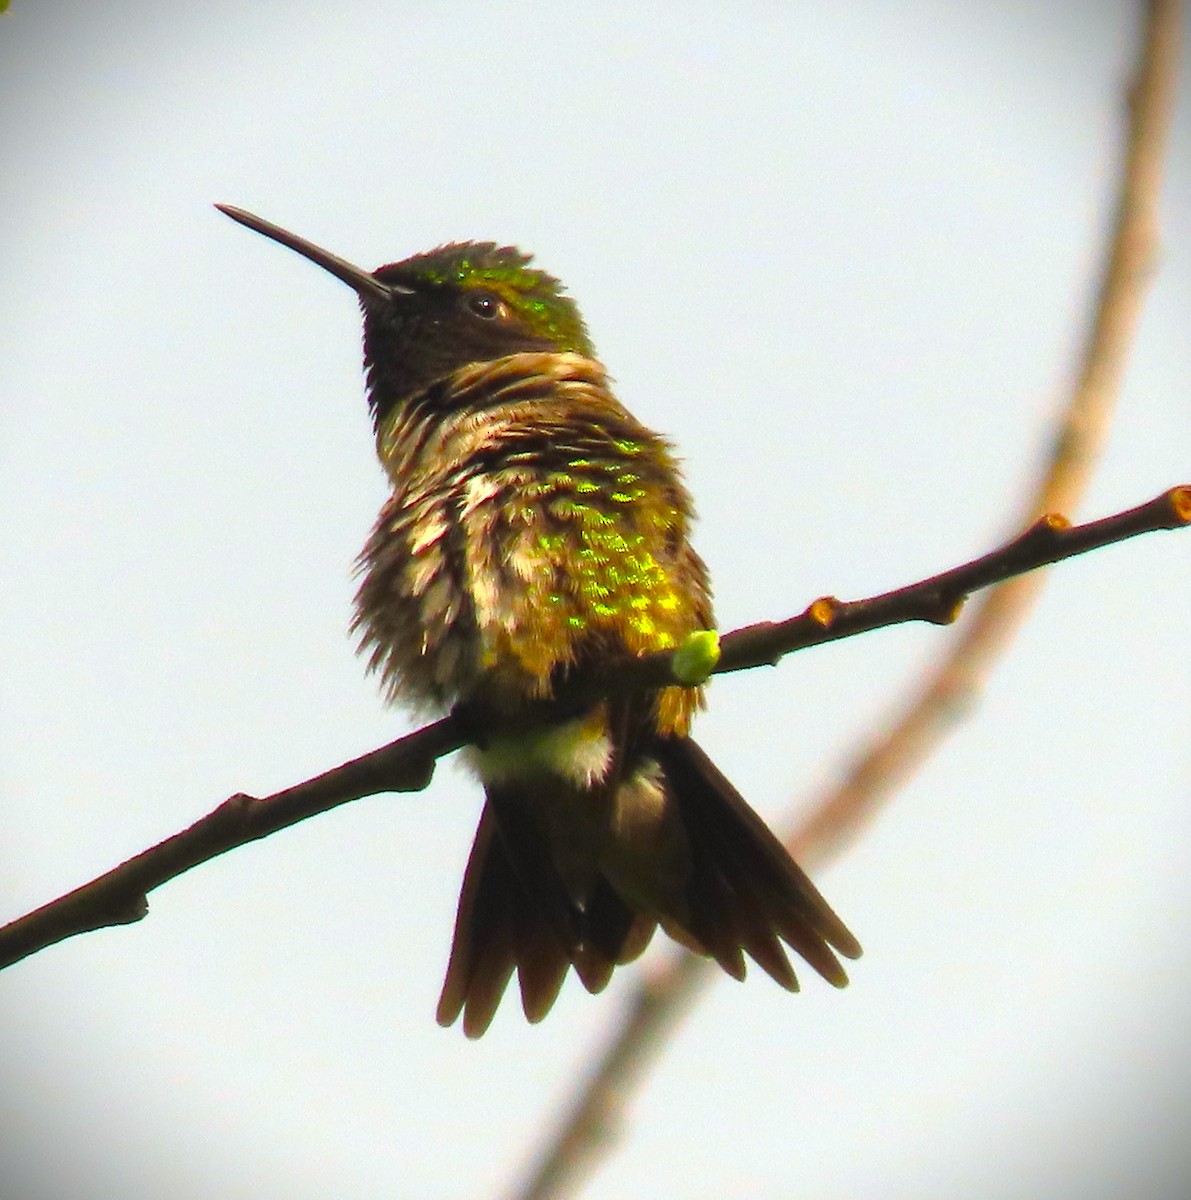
{"points": [[592, 1118]]}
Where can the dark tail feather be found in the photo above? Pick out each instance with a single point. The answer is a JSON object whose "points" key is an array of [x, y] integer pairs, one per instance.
{"points": [[483, 951], [542, 961], [500, 927], [745, 887], [612, 934], [507, 922]]}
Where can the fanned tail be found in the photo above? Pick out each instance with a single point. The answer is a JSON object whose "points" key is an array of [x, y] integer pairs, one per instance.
{"points": [[738, 893], [745, 892]]}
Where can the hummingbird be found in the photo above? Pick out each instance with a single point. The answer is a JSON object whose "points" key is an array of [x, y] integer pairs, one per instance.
{"points": [[535, 528]]}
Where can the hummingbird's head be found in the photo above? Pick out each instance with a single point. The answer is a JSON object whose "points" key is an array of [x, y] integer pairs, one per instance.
{"points": [[462, 303], [429, 315]]}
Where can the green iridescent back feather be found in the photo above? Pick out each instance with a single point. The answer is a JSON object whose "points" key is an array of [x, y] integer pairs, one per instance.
{"points": [[535, 524]]}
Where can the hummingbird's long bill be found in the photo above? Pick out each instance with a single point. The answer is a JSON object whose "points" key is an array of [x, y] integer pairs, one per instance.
{"points": [[360, 281]]}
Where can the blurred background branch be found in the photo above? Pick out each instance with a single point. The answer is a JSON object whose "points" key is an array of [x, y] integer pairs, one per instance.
{"points": [[593, 1116]]}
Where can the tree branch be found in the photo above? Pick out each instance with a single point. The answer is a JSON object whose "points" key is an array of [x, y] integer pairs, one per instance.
{"points": [[120, 896], [591, 1117]]}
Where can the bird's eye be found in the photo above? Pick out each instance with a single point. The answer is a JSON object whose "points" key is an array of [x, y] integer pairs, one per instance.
{"points": [[486, 306]]}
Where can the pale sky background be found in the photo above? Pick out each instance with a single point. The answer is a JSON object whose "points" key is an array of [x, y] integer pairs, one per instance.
{"points": [[842, 255]]}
